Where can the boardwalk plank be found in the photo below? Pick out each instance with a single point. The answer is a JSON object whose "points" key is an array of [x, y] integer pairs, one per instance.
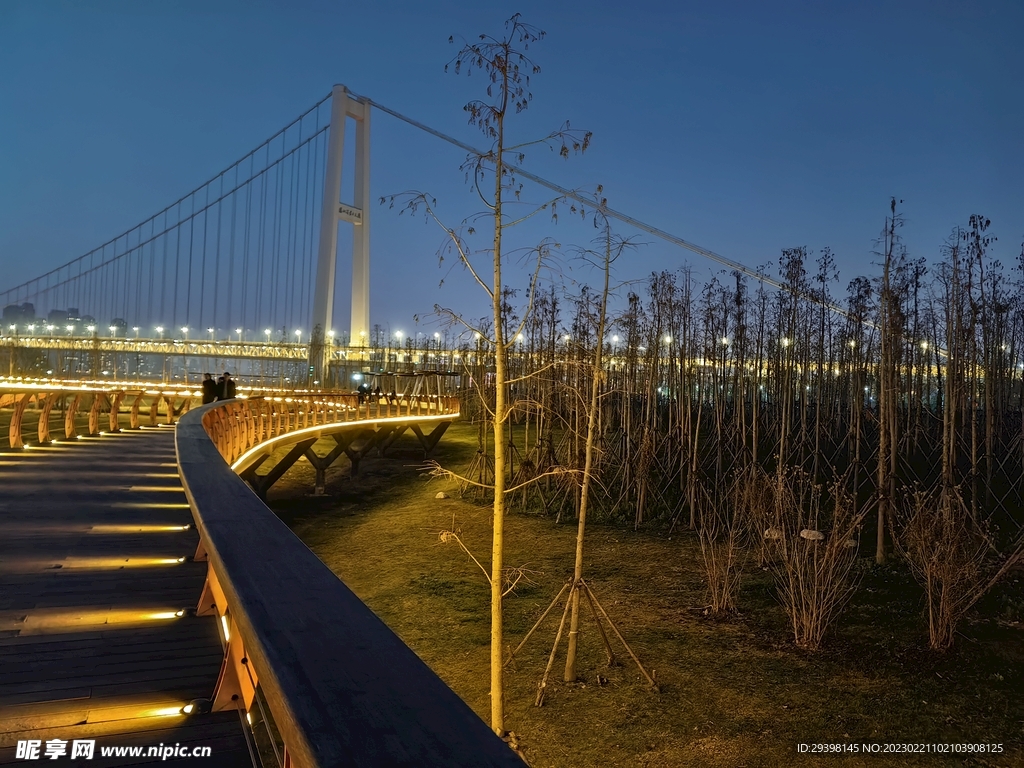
{"points": [[84, 507]]}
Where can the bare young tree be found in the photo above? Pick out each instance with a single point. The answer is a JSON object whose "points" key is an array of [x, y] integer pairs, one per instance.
{"points": [[507, 70]]}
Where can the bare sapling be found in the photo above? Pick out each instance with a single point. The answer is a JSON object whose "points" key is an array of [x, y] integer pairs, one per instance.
{"points": [[613, 247], [507, 70]]}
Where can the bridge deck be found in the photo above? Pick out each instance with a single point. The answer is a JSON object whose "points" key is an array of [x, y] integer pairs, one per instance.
{"points": [[90, 533]]}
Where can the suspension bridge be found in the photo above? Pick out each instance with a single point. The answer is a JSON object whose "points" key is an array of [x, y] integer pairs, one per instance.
{"points": [[151, 604]]}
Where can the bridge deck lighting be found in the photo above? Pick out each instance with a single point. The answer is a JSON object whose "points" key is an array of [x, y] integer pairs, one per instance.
{"points": [[90, 328]]}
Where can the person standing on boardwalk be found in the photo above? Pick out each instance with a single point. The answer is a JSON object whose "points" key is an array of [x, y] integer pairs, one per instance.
{"points": [[209, 388], [227, 387]]}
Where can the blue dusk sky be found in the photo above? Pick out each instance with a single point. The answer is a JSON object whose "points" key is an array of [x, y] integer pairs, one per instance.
{"points": [[744, 127]]}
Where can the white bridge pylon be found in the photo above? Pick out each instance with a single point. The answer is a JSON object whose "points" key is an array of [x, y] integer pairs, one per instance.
{"points": [[343, 106]]}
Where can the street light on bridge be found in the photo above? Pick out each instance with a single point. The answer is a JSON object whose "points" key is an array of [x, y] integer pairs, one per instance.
{"points": [[160, 330], [239, 332], [267, 331], [113, 331], [90, 328], [70, 328], [298, 335], [184, 330], [210, 331], [136, 329], [50, 328]]}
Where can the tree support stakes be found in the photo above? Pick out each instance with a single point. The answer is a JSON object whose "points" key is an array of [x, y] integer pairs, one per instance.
{"points": [[597, 612]]}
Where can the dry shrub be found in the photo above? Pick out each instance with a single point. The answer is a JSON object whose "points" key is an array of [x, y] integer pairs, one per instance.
{"points": [[721, 531], [811, 538], [952, 555]]}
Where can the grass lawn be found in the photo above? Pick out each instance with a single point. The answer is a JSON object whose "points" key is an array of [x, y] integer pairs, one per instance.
{"points": [[733, 693]]}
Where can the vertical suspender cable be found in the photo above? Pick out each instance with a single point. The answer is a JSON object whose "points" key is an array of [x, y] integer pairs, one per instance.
{"points": [[191, 243], [290, 236], [231, 254], [216, 260], [262, 241], [202, 268], [275, 238], [305, 210], [177, 267], [245, 247]]}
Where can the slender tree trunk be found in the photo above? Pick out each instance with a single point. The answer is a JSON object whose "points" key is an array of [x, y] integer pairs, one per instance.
{"points": [[588, 465]]}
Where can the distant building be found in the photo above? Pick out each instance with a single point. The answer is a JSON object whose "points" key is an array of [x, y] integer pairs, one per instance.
{"points": [[19, 313]]}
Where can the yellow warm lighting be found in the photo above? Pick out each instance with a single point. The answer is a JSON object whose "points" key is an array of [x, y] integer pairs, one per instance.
{"points": [[31, 565], [162, 712], [137, 528], [288, 436], [146, 505], [150, 488], [224, 623], [43, 621]]}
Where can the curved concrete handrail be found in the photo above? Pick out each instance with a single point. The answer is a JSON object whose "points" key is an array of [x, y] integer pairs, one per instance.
{"points": [[342, 687]]}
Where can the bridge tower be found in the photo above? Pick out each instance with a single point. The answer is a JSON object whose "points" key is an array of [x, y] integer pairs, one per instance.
{"points": [[343, 106]]}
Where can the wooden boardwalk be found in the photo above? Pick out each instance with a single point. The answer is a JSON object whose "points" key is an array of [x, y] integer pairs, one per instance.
{"points": [[91, 533]]}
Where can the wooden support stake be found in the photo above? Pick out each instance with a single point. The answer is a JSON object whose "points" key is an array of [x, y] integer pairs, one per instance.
{"points": [[554, 648], [622, 640], [539, 621]]}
